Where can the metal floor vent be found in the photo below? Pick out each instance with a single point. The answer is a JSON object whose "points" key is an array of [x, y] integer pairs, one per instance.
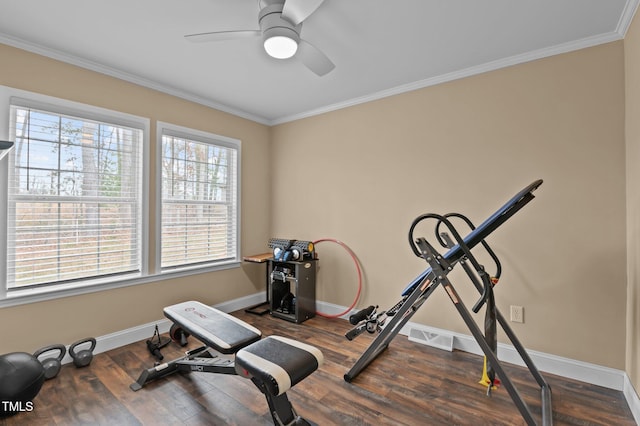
{"points": [[440, 341]]}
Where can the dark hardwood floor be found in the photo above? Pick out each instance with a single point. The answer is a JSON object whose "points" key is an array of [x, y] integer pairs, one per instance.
{"points": [[409, 384]]}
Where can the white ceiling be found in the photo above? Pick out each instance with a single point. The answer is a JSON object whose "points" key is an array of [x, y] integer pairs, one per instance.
{"points": [[379, 47]]}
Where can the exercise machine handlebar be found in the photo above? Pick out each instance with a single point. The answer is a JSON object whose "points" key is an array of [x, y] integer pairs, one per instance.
{"points": [[458, 242], [443, 239]]}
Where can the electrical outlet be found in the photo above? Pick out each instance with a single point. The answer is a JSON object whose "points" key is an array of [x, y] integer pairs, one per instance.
{"points": [[517, 313]]}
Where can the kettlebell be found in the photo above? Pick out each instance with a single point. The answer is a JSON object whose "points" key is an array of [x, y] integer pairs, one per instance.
{"points": [[83, 357], [51, 365]]}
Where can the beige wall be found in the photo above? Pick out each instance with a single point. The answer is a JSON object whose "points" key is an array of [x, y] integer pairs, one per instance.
{"points": [[632, 126], [68, 319], [362, 174]]}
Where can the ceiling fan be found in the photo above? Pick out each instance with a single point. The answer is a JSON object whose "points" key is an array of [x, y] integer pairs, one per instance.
{"points": [[280, 24]]}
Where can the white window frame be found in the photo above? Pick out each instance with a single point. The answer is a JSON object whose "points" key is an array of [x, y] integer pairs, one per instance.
{"points": [[150, 272], [9, 96], [163, 128]]}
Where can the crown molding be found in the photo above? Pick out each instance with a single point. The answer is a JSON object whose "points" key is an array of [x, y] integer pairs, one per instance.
{"points": [[456, 75], [128, 77], [621, 29], [628, 13]]}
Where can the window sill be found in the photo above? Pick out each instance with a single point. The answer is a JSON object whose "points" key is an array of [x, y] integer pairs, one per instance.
{"points": [[22, 297]]}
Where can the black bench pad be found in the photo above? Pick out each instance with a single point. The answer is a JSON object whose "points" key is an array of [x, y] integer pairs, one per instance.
{"points": [[218, 330], [278, 362]]}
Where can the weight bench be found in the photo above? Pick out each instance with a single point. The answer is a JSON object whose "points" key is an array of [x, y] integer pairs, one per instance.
{"points": [[231, 346]]}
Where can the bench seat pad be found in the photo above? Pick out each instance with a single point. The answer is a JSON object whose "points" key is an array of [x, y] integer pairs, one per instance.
{"points": [[223, 332], [278, 362]]}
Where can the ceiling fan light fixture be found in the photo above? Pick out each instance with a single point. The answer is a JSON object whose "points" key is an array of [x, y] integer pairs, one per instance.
{"points": [[280, 47], [281, 43]]}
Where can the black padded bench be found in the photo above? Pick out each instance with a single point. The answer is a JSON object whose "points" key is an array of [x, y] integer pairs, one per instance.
{"points": [[231, 346], [226, 333]]}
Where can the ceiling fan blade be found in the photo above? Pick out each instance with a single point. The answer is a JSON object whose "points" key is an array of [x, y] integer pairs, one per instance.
{"points": [[296, 11], [314, 59], [221, 35]]}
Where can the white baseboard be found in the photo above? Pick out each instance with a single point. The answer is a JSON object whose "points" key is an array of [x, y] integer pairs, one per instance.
{"points": [[632, 398], [547, 363], [564, 367], [331, 309]]}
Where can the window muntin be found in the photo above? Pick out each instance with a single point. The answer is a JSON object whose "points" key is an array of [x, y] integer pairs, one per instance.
{"points": [[200, 203]]}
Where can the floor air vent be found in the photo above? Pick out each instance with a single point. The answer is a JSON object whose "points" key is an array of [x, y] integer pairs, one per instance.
{"points": [[440, 341]]}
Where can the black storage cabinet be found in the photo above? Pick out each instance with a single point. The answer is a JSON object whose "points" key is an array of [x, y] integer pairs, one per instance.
{"points": [[292, 287]]}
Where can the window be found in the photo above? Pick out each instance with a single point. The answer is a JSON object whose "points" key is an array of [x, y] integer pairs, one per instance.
{"points": [[75, 198], [200, 201]]}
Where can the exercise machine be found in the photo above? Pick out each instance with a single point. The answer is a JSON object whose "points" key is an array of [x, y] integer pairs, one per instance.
{"points": [[389, 323], [231, 346]]}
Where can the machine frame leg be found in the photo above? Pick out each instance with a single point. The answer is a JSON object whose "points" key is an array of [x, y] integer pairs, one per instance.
{"points": [[492, 357], [202, 359], [280, 407], [545, 389], [419, 295]]}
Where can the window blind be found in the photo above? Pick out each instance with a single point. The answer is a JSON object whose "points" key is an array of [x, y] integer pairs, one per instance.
{"points": [[199, 202], [74, 199]]}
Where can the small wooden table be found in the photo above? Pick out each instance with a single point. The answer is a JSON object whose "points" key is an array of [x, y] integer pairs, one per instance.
{"points": [[260, 258]]}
